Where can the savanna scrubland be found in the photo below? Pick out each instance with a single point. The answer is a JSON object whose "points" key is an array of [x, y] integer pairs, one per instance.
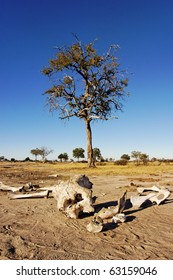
{"points": [[35, 229]]}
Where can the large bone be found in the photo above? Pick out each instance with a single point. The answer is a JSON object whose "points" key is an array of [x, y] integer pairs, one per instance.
{"points": [[4, 187], [29, 195], [106, 213], [137, 201], [74, 196], [158, 198], [153, 188]]}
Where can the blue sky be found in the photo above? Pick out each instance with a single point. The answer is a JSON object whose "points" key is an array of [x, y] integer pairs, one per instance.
{"points": [[29, 32]]}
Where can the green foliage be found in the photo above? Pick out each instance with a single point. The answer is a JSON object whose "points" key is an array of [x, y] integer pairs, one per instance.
{"points": [[136, 156], [100, 75], [96, 154], [78, 153], [125, 156], [36, 152], [43, 152], [60, 157], [63, 156], [121, 162], [144, 158], [27, 159], [140, 157]]}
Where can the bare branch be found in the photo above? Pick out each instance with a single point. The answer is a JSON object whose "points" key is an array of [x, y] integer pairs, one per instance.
{"points": [[68, 116], [102, 118]]}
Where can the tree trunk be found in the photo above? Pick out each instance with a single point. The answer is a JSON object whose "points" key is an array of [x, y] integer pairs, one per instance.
{"points": [[89, 145]]}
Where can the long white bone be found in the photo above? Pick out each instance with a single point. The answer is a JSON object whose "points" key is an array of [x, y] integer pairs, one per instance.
{"points": [[4, 187], [29, 195]]}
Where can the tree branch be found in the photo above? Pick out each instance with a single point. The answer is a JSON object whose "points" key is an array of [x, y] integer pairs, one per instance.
{"points": [[102, 118]]}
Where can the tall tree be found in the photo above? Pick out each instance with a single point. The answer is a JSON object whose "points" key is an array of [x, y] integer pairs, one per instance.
{"points": [[60, 157], [136, 155], [86, 85], [140, 157], [78, 153], [125, 156], [45, 152], [36, 152], [144, 158], [63, 156], [96, 154]]}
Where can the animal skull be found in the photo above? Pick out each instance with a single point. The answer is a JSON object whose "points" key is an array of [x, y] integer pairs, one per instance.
{"points": [[74, 196]]}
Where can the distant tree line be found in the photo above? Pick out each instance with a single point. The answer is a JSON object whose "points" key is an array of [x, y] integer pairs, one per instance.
{"points": [[139, 158], [79, 153]]}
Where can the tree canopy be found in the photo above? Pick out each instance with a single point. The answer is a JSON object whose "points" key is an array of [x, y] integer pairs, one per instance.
{"points": [[63, 156], [86, 85], [78, 153], [96, 154]]}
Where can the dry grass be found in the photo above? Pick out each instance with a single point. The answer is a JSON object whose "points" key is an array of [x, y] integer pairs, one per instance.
{"points": [[81, 168]]}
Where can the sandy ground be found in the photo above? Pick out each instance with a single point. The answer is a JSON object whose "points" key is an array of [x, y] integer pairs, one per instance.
{"points": [[35, 229]]}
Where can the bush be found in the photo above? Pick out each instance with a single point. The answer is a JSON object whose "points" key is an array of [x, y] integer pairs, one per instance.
{"points": [[27, 159], [101, 163], [121, 162]]}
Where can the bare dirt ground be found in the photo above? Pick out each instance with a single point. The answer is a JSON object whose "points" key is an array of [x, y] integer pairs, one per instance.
{"points": [[35, 229]]}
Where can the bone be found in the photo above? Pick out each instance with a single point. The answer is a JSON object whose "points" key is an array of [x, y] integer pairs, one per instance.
{"points": [[106, 213], [153, 188], [4, 187], [158, 198], [122, 202], [119, 218], [137, 201], [53, 175], [96, 225], [48, 188], [74, 196], [161, 196], [29, 195]]}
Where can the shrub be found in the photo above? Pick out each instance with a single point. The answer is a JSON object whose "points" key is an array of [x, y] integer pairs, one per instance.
{"points": [[121, 162], [27, 159]]}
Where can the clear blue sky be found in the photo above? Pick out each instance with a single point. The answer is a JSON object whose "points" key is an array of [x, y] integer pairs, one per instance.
{"points": [[29, 31]]}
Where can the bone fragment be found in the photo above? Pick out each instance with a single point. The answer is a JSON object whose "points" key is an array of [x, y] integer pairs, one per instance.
{"points": [[160, 196], [106, 213], [119, 218], [122, 202], [137, 200], [96, 225], [153, 188], [29, 195], [4, 187], [48, 188], [53, 175]]}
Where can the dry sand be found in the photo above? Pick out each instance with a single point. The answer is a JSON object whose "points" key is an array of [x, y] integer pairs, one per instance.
{"points": [[35, 229]]}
